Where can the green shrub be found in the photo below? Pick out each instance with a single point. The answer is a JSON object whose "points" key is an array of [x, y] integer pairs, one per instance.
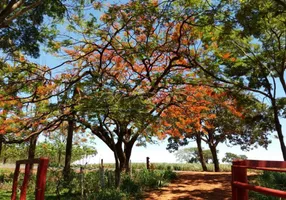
{"points": [[148, 178], [169, 175], [108, 194], [274, 180], [131, 187], [153, 178], [91, 182], [57, 184], [6, 176], [128, 185]]}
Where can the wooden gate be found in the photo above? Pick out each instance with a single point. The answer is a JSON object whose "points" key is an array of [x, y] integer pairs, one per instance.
{"points": [[240, 184], [40, 182]]}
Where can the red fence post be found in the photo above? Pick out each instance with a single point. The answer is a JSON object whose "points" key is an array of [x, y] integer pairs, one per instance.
{"points": [[41, 178], [239, 173], [25, 182], [15, 182]]}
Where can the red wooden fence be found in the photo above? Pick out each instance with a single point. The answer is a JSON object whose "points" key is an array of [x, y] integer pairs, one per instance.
{"points": [[240, 184], [40, 182]]}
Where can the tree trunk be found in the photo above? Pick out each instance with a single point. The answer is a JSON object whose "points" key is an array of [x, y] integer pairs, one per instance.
{"points": [[31, 155], [67, 166], [279, 129], [117, 171], [122, 163], [32, 150], [59, 156], [200, 152], [32, 147], [4, 161], [1, 144], [122, 158], [282, 80], [215, 159], [125, 160]]}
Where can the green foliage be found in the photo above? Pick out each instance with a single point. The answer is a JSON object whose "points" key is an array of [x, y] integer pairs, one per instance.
{"points": [[128, 185], [92, 188], [91, 182], [53, 147], [248, 52], [169, 175], [153, 178], [13, 152], [56, 152], [274, 180], [26, 31], [32, 22], [281, 104], [229, 157], [56, 183], [191, 155], [110, 194], [5, 195], [6, 178]]}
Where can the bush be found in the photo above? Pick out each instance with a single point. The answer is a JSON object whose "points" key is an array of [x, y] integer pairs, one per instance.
{"points": [[153, 178], [56, 184], [108, 194], [268, 179], [169, 175], [6, 176], [129, 186]]}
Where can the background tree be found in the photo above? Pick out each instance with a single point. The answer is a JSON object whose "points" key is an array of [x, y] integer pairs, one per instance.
{"points": [[13, 152], [191, 155], [53, 147], [243, 47], [25, 88], [229, 157], [55, 152], [216, 116], [28, 104]]}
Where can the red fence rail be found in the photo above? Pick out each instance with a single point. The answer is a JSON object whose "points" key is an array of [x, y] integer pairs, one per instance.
{"points": [[40, 182], [240, 184]]}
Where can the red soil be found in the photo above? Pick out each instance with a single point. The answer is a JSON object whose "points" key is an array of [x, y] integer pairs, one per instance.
{"points": [[195, 185]]}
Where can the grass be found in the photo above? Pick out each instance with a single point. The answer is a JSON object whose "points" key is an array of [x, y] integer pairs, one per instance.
{"points": [[169, 166], [142, 180], [5, 195], [56, 186], [160, 166]]}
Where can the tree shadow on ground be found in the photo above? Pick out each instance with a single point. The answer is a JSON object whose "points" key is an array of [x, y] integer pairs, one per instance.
{"points": [[196, 185]]}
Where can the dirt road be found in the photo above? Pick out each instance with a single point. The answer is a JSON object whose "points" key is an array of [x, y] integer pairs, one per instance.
{"points": [[197, 186]]}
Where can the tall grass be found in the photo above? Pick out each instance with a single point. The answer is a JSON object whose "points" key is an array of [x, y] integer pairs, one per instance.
{"points": [[89, 185], [169, 166]]}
